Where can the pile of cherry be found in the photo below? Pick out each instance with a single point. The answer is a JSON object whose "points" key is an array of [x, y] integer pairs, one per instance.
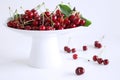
{"points": [[56, 20], [95, 58]]}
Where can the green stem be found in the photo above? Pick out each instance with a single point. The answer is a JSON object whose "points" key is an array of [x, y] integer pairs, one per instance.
{"points": [[43, 19]]}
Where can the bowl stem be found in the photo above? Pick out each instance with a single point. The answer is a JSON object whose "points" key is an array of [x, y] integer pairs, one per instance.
{"points": [[45, 52]]}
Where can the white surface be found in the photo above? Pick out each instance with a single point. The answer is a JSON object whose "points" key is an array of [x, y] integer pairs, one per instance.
{"points": [[15, 48]]}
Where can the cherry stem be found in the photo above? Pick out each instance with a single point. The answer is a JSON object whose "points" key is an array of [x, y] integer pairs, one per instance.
{"points": [[99, 54], [10, 13], [43, 19], [55, 9], [51, 20], [39, 6], [85, 58], [22, 8], [28, 22], [69, 39], [101, 39], [69, 4]]}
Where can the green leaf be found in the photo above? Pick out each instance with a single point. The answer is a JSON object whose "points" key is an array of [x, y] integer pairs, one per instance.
{"points": [[87, 23], [65, 9]]}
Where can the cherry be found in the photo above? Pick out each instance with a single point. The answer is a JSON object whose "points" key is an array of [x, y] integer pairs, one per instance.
{"points": [[54, 18], [71, 17], [28, 28], [58, 12], [84, 48], [72, 26], [75, 56], [99, 60], [35, 23], [10, 23], [79, 71], [27, 12], [65, 48], [26, 17], [95, 58], [97, 44], [60, 28], [73, 50], [47, 13], [35, 13], [66, 21], [49, 28], [77, 21], [105, 61], [30, 14], [60, 20], [82, 22], [68, 50], [42, 27]]}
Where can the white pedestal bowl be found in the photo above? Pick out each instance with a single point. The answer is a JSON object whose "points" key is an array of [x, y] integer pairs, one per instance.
{"points": [[45, 52]]}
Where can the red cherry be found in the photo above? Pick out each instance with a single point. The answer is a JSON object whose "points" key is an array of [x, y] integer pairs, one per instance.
{"points": [[75, 56], [28, 28], [82, 22], [10, 23], [99, 60], [47, 13], [66, 21], [105, 61], [84, 48], [54, 18], [65, 48], [68, 50], [99, 45], [27, 12], [35, 13], [42, 27], [79, 71], [49, 28], [72, 26], [71, 17], [60, 28], [30, 14], [73, 50], [35, 23], [58, 12], [96, 43], [77, 21], [95, 58]]}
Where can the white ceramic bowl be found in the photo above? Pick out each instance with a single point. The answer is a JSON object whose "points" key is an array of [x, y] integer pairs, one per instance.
{"points": [[45, 52]]}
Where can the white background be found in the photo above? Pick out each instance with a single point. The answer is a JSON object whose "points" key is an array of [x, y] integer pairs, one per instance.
{"points": [[104, 14]]}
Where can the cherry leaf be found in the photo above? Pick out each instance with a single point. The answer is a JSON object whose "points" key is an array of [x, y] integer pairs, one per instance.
{"points": [[65, 9]]}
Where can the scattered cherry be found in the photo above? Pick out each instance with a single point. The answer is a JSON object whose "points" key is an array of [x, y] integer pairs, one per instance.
{"points": [[84, 48], [95, 58], [79, 71], [99, 60], [97, 44], [105, 61], [65, 48], [73, 50], [75, 56]]}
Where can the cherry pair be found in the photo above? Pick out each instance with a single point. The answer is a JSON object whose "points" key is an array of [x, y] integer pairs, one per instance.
{"points": [[68, 50]]}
